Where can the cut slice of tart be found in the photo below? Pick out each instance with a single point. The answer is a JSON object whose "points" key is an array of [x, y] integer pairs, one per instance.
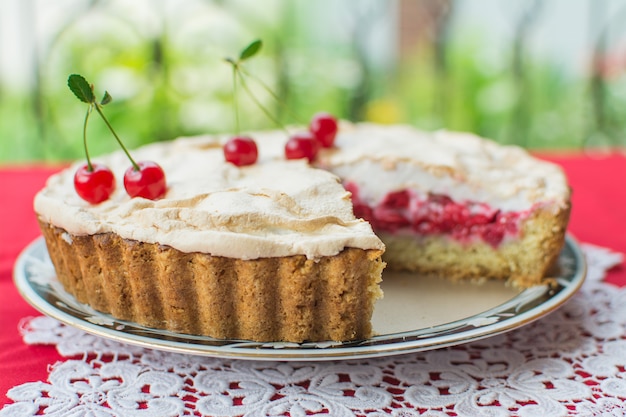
{"points": [[454, 204]]}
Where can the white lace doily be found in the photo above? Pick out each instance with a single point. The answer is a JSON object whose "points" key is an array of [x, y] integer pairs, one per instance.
{"points": [[570, 362]]}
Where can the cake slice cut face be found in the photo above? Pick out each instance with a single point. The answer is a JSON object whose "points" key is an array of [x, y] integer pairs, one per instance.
{"points": [[454, 204], [267, 252]]}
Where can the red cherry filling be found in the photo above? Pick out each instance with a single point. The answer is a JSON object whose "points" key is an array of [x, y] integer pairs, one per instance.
{"points": [[241, 151], [391, 213], [437, 214], [302, 145], [95, 185], [147, 182], [324, 128]]}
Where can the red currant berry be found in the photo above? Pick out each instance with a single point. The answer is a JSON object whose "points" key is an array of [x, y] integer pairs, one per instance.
{"points": [[147, 182], [241, 151], [96, 185], [302, 145], [324, 128]]}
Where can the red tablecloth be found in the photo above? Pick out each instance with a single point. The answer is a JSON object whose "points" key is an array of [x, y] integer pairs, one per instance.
{"points": [[598, 217]]}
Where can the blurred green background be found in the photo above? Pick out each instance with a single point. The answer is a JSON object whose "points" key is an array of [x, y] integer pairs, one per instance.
{"points": [[540, 74]]}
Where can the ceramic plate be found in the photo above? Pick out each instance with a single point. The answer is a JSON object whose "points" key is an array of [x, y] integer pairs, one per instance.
{"points": [[416, 314]]}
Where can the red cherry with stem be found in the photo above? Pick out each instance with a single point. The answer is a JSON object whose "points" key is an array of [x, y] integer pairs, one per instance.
{"points": [[148, 181], [145, 179], [94, 184], [241, 150], [302, 145], [324, 128]]}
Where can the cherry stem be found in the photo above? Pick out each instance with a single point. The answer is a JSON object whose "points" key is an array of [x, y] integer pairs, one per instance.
{"points": [[261, 106], [270, 92], [235, 101], [106, 121], [89, 165]]}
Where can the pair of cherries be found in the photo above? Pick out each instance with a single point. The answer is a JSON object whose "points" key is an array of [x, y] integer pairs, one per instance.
{"points": [[242, 150], [95, 182]]}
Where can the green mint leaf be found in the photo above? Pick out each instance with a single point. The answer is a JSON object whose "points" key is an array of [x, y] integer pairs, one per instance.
{"points": [[81, 88], [106, 99], [251, 50]]}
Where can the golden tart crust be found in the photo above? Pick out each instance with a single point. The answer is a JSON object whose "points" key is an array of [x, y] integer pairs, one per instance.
{"points": [[289, 298]]}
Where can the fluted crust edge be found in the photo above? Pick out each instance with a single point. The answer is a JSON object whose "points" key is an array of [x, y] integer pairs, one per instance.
{"points": [[292, 299]]}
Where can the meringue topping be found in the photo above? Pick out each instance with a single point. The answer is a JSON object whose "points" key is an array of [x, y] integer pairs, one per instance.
{"points": [[381, 159], [273, 208], [278, 207]]}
